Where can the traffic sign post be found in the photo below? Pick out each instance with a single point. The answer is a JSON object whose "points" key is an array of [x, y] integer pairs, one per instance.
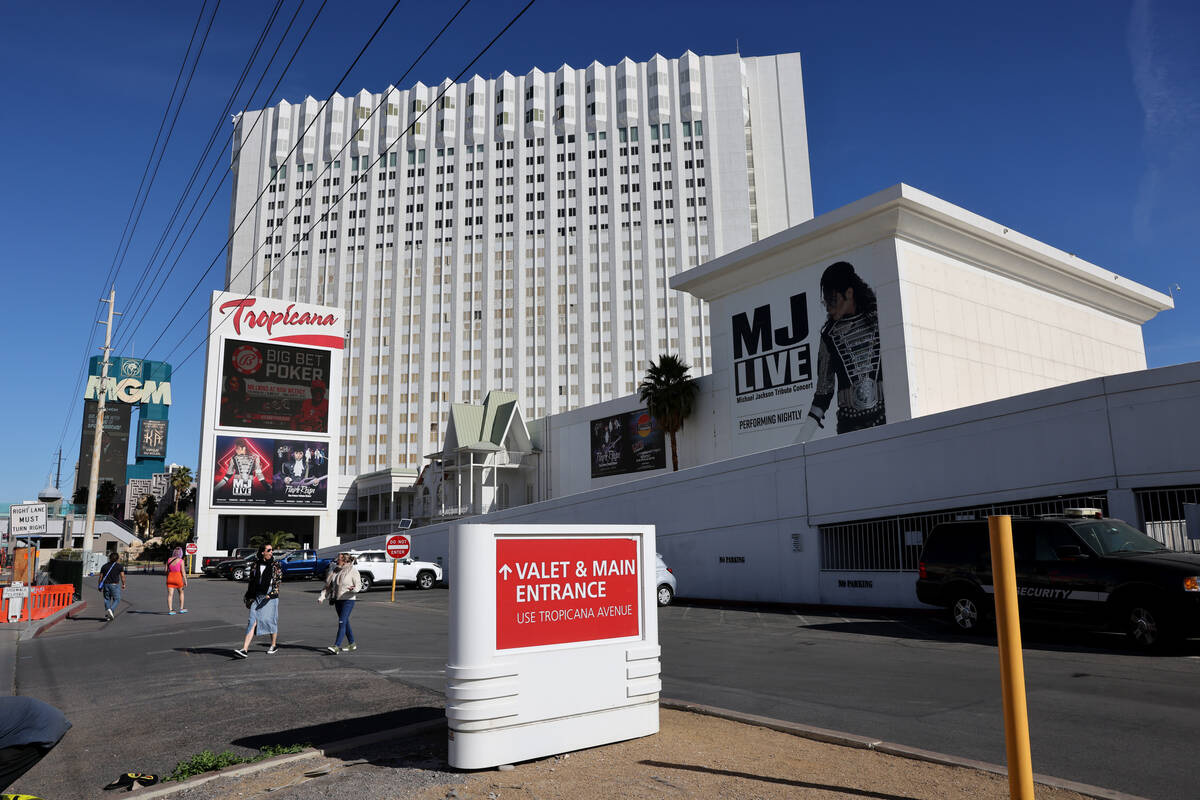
{"points": [[28, 520], [553, 640], [398, 546]]}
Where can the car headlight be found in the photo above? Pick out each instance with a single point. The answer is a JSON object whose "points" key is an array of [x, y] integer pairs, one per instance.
{"points": [[1191, 583]]}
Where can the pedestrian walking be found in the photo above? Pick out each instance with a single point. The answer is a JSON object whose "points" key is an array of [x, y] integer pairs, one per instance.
{"points": [[341, 589], [112, 583], [176, 581], [262, 598]]}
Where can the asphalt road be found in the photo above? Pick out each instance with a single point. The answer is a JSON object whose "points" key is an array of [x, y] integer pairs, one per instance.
{"points": [[148, 690]]}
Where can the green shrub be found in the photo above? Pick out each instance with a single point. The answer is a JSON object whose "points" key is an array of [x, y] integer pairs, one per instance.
{"points": [[208, 761], [204, 761]]}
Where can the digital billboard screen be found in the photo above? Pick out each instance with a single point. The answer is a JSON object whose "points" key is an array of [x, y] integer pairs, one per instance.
{"points": [[276, 387], [152, 438], [114, 442], [625, 443], [270, 472]]}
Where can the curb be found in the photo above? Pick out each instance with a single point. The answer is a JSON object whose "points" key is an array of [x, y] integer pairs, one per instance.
{"points": [[793, 728], [52, 620], [312, 752], [888, 748]]}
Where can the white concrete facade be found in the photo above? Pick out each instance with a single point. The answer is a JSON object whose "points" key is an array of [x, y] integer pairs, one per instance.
{"points": [[963, 320], [515, 234], [749, 528], [1015, 373]]}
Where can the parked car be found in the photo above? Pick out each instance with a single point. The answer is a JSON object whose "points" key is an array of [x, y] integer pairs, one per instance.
{"points": [[1073, 569], [665, 579], [375, 567], [209, 564], [239, 570], [235, 569], [304, 564]]}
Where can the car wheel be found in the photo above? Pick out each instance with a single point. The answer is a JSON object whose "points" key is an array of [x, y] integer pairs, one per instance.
{"points": [[239, 574], [966, 615], [425, 580], [1147, 626], [365, 582], [665, 595]]}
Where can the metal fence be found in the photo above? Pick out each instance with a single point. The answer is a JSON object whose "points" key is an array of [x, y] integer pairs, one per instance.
{"points": [[893, 544], [1163, 516]]}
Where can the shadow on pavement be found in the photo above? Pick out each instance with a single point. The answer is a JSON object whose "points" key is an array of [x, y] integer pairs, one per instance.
{"points": [[1033, 637], [337, 730], [841, 790]]}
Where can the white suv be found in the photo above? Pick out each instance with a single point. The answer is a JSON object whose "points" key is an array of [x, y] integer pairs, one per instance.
{"points": [[664, 580], [374, 567]]}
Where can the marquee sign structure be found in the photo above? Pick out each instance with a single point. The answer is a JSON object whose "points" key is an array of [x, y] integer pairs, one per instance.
{"points": [[269, 441]]}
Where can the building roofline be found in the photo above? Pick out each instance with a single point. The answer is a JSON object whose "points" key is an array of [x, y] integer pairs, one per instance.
{"points": [[909, 214]]}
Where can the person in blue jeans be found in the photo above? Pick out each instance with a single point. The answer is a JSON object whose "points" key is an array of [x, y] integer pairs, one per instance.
{"points": [[112, 583], [341, 589]]}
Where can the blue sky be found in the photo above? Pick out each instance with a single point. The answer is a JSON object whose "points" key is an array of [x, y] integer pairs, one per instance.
{"points": [[1073, 122]]}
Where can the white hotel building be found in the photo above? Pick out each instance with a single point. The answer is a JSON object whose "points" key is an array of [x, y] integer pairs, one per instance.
{"points": [[517, 233]]}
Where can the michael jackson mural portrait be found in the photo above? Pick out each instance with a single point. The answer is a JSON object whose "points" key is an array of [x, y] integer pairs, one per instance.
{"points": [[848, 363]]}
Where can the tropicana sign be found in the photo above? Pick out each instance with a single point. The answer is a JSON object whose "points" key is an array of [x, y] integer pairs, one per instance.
{"points": [[243, 311]]}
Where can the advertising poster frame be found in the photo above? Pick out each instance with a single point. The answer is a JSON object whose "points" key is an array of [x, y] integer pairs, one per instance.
{"points": [[266, 324]]}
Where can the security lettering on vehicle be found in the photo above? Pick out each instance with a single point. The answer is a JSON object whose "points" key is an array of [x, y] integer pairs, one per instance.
{"points": [[1052, 594], [1055, 594]]}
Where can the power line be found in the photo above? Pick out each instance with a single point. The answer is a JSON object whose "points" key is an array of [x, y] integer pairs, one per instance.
{"points": [[212, 170], [199, 164], [299, 140], [382, 155], [108, 281]]}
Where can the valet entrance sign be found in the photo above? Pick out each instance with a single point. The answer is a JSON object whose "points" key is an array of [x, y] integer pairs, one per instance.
{"points": [[553, 640], [553, 591]]}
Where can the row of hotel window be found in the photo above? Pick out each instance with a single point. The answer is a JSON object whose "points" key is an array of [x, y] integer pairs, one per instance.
{"points": [[417, 156]]}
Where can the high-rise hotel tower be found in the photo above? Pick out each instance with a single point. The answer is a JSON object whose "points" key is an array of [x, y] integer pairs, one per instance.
{"points": [[515, 233]]}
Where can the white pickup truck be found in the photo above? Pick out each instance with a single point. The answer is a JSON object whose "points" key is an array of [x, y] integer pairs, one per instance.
{"points": [[374, 567]]}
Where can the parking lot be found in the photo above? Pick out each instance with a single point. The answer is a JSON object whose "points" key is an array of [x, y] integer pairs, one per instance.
{"points": [[148, 689]]}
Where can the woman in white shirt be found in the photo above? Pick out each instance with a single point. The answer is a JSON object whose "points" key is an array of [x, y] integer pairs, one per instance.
{"points": [[341, 589]]}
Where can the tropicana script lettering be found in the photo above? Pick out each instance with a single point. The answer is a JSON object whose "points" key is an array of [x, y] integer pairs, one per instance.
{"points": [[269, 319]]}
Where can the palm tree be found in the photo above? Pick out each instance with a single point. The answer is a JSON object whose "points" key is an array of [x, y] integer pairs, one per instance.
{"points": [[176, 529], [279, 540], [668, 392], [181, 481]]}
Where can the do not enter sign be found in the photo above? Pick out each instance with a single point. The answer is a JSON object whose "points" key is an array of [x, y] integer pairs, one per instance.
{"points": [[398, 546], [192, 548]]}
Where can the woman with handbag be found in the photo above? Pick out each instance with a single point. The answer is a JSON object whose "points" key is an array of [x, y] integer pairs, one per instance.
{"points": [[341, 589], [176, 580], [262, 598]]}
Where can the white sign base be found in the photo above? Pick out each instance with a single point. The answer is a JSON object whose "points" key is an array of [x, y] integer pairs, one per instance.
{"points": [[553, 640]]}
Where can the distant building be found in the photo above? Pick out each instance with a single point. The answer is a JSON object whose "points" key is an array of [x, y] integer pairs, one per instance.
{"points": [[516, 234]]}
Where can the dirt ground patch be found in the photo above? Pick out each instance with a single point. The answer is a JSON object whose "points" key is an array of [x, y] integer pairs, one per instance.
{"points": [[692, 756]]}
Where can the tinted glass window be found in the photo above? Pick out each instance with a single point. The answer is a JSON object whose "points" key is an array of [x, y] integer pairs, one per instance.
{"points": [[961, 543], [1049, 537], [1111, 536]]}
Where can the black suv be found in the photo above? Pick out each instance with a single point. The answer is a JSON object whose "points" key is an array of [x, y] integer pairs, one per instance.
{"points": [[1093, 572]]}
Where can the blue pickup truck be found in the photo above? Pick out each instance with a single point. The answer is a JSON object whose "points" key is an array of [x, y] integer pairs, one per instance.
{"points": [[304, 564]]}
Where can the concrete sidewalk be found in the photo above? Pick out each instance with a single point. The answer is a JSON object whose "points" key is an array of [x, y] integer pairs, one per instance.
{"points": [[699, 752]]}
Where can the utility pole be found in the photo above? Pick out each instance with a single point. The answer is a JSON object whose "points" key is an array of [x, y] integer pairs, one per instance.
{"points": [[58, 471], [93, 481]]}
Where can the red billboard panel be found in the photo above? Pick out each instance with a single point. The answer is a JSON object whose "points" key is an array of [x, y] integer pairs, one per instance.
{"points": [[558, 591], [276, 387]]}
